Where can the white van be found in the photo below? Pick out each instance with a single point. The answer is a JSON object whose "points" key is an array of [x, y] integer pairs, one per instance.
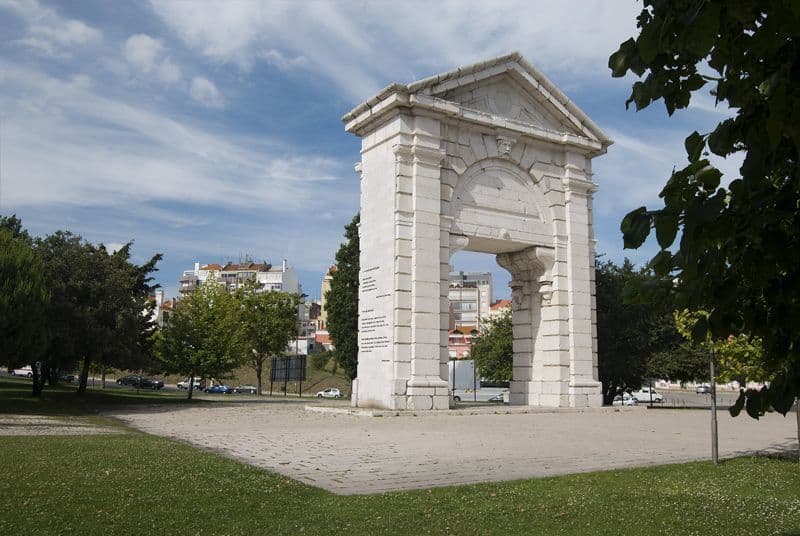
{"points": [[199, 384]]}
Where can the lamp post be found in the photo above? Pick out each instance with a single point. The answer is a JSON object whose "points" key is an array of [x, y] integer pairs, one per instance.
{"points": [[297, 342]]}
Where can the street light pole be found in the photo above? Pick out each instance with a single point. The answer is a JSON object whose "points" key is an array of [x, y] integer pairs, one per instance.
{"points": [[297, 342]]}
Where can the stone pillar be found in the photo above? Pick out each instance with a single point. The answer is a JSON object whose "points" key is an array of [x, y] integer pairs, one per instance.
{"points": [[584, 388], [426, 388], [537, 364]]}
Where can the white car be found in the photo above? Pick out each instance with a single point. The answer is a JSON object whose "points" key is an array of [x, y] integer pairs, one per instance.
{"points": [[198, 384], [624, 400], [330, 393], [643, 395], [24, 371]]}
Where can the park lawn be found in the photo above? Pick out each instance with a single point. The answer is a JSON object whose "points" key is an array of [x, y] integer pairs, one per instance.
{"points": [[132, 482]]}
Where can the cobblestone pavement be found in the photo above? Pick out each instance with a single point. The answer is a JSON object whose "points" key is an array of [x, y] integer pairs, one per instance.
{"points": [[350, 454]]}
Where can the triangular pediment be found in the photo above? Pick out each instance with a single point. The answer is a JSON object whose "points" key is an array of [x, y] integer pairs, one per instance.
{"points": [[505, 93], [502, 96], [511, 88]]}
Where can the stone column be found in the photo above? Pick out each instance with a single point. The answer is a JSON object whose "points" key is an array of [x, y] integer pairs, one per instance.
{"points": [[534, 359], [584, 388], [426, 388]]}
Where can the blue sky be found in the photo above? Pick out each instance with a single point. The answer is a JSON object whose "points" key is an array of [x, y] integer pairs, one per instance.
{"points": [[211, 130]]}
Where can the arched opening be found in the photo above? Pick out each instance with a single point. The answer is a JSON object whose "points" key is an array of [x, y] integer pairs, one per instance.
{"points": [[478, 295]]}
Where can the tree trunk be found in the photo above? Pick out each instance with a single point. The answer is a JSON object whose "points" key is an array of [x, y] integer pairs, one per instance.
{"points": [[797, 414], [38, 381], [191, 385], [84, 379], [103, 375], [259, 369]]}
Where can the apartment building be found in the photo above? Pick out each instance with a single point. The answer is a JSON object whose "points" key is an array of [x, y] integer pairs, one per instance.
{"points": [[234, 275], [470, 295]]}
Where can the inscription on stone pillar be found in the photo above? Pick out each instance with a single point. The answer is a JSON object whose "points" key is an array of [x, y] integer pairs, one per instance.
{"points": [[375, 309]]}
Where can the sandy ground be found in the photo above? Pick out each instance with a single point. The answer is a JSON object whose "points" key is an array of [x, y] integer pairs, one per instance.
{"points": [[350, 454]]}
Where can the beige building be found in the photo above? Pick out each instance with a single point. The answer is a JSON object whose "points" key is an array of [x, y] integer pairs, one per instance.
{"points": [[322, 318]]}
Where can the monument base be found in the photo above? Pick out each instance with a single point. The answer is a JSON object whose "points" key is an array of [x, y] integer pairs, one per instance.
{"points": [[551, 394]]}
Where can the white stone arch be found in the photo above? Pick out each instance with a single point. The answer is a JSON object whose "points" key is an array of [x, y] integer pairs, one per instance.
{"points": [[429, 153], [500, 207]]}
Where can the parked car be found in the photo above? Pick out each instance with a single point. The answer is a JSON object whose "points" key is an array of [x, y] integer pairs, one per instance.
{"points": [[150, 383], [330, 393], [643, 395], [69, 378], [482, 394], [129, 380], [24, 371], [245, 389], [703, 388], [624, 400], [224, 389], [198, 384], [497, 398]]}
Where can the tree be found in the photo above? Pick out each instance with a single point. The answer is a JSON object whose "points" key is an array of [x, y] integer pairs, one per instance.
{"points": [[203, 337], [629, 335], [342, 302], [268, 321], [23, 299], [66, 318], [99, 311], [738, 358], [737, 255], [493, 349], [683, 362]]}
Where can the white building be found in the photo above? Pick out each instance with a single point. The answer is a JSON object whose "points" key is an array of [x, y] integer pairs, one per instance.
{"points": [[281, 277], [470, 297]]}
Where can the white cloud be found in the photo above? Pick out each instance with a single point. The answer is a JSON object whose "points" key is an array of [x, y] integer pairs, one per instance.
{"points": [[203, 91], [142, 51], [66, 144], [148, 57], [169, 72], [279, 60], [49, 33], [362, 46]]}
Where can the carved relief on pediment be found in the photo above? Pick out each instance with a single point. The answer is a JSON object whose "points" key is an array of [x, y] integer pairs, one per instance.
{"points": [[503, 97]]}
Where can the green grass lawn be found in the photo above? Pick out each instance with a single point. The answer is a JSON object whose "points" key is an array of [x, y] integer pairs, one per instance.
{"points": [[133, 483]]}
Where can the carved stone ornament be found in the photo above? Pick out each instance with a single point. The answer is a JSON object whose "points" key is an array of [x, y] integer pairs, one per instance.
{"points": [[505, 144], [545, 291]]}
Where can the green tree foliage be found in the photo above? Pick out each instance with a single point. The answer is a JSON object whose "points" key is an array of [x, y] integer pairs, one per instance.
{"points": [[99, 310], [737, 255], [738, 358], [319, 360], [493, 349], [204, 336], [23, 299], [268, 321], [342, 302], [628, 334], [683, 362]]}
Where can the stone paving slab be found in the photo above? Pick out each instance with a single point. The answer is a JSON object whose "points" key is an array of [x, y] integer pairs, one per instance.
{"points": [[350, 454]]}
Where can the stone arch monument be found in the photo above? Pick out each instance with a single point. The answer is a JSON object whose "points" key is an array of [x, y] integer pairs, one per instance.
{"points": [[494, 158]]}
